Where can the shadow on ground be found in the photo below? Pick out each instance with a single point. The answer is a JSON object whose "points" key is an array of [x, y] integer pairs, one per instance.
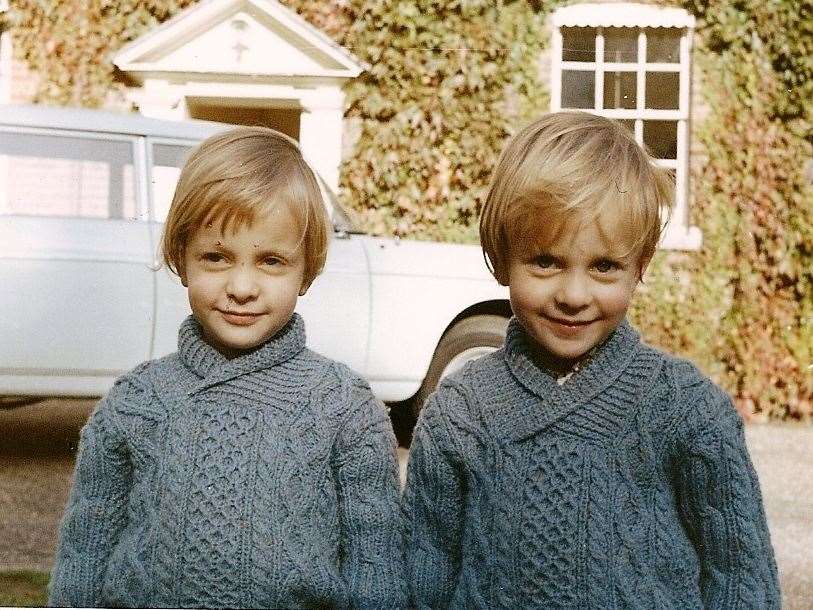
{"points": [[42, 428], [38, 444]]}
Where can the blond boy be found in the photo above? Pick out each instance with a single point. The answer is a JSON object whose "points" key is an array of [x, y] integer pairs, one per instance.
{"points": [[243, 471], [577, 467]]}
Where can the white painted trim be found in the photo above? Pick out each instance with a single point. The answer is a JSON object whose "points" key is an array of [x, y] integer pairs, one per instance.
{"points": [[640, 77], [150, 70], [681, 237], [685, 71], [199, 17], [621, 15], [614, 66], [598, 81]]}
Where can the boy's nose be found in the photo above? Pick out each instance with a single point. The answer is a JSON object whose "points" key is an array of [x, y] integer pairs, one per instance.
{"points": [[573, 294], [242, 286]]}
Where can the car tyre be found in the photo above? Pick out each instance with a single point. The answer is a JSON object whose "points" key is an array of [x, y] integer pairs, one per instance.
{"points": [[466, 340]]}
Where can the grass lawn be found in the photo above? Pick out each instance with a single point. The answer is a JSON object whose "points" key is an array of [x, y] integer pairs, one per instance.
{"points": [[23, 588]]}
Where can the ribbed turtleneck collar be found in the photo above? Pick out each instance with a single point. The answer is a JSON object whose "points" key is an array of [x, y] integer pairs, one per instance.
{"points": [[206, 362], [606, 364]]}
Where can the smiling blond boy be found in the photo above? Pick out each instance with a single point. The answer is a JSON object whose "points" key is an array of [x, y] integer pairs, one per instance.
{"points": [[244, 470], [577, 467]]}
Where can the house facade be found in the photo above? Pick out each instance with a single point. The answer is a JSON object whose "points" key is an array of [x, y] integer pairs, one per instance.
{"points": [[408, 118], [258, 62]]}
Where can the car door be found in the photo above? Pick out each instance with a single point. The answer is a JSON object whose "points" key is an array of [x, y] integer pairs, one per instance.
{"points": [[335, 308], [77, 299]]}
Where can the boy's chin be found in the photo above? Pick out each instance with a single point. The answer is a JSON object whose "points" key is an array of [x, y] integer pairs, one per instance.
{"points": [[560, 355]]}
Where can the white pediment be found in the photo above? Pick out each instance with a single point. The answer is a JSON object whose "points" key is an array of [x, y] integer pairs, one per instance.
{"points": [[237, 37]]}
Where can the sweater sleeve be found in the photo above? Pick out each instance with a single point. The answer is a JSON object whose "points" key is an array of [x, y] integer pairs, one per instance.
{"points": [[433, 501], [95, 514], [721, 506], [371, 550]]}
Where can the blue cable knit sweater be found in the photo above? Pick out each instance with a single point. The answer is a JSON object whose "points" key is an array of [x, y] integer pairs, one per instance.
{"points": [[266, 481], [629, 486]]}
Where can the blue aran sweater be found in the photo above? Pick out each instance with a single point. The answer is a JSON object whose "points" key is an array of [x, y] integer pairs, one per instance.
{"points": [[266, 481], [627, 487]]}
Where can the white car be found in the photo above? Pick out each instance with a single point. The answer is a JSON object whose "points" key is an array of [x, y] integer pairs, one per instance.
{"points": [[83, 195]]}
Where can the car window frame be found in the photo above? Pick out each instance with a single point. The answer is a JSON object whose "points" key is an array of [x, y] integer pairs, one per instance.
{"points": [[139, 166]]}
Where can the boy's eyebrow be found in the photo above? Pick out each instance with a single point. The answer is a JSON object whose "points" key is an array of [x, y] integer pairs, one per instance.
{"points": [[262, 253], [563, 252]]}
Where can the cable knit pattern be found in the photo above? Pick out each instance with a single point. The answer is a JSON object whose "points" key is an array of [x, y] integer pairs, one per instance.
{"points": [[627, 487], [266, 481]]}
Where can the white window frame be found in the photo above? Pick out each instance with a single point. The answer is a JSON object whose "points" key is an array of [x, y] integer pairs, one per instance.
{"points": [[678, 234]]}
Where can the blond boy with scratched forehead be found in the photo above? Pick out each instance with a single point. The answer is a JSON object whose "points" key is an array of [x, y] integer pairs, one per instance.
{"points": [[578, 467], [244, 470]]}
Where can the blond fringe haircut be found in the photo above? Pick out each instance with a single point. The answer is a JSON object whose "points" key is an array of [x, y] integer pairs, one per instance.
{"points": [[573, 165], [233, 177]]}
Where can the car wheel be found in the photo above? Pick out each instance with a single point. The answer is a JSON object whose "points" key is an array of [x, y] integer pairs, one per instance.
{"points": [[467, 340]]}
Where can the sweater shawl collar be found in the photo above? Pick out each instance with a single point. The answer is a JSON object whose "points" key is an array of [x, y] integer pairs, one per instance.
{"points": [[621, 355], [213, 367]]}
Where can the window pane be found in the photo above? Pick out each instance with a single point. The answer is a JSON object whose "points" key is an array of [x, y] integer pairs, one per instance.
{"points": [[663, 45], [661, 138], [621, 45], [662, 90], [619, 89], [51, 175], [167, 161], [578, 44], [578, 89]]}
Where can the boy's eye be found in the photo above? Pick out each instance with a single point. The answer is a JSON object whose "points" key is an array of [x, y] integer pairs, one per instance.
{"points": [[273, 261], [213, 257], [544, 261], [606, 265]]}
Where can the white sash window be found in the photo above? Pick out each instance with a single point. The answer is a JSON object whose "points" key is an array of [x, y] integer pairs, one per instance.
{"points": [[631, 62]]}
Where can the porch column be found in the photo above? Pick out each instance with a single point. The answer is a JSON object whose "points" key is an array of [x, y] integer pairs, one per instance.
{"points": [[320, 133]]}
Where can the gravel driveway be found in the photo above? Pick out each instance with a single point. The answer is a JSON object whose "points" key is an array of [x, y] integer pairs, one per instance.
{"points": [[38, 442]]}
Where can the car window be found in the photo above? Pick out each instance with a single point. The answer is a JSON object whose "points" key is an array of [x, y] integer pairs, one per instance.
{"points": [[68, 176], [167, 161]]}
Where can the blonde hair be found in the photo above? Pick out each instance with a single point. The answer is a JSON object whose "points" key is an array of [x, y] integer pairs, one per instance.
{"points": [[572, 164], [234, 176]]}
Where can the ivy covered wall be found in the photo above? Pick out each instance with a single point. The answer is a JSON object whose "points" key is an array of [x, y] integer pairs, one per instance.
{"points": [[450, 81]]}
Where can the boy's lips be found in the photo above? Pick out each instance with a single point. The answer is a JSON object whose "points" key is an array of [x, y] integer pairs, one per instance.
{"points": [[239, 318], [574, 324]]}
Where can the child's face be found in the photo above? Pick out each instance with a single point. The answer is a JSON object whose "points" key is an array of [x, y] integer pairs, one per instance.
{"points": [[572, 293], [243, 285]]}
